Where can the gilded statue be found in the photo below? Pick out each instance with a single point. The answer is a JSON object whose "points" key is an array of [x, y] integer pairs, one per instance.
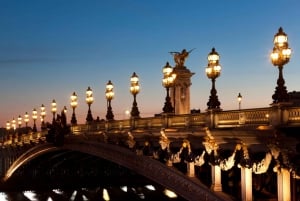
{"points": [[180, 57]]}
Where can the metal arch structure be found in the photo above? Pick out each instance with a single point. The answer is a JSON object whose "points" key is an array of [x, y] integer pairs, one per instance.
{"points": [[150, 168]]}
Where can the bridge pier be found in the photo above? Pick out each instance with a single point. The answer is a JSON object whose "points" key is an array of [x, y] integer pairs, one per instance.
{"points": [[246, 184], [216, 178], [283, 185], [191, 169]]}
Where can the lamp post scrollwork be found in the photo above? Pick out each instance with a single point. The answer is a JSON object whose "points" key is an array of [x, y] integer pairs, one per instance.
{"points": [[213, 70], [280, 56]]}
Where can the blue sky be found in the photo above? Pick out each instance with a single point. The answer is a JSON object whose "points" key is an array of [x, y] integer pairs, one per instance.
{"points": [[50, 48]]}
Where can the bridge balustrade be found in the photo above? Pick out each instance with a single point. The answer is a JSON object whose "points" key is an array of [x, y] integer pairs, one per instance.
{"points": [[288, 116], [294, 116], [259, 116]]}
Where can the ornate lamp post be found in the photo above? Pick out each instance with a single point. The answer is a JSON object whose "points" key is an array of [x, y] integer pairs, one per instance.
{"points": [[19, 121], [239, 98], [19, 124], [134, 89], [109, 96], [167, 82], [13, 124], [280, 56], [74, 104], [63, 119], [26, 119], [213, 70], [89, 100], [8, 127], [53, 110], [34, 117], [43, 114]]}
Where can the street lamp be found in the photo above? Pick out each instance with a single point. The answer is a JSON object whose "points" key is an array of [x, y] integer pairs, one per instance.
{"points": [[8, 126], [34, 117], [167, 82], [26, 120], [280, 56], [239, 98], [19, 121], [213, 70], [13, 124], [19, 124], [43, 114], [109, 96], [63, 119], [53, 110], [74, 104], [89, 100], [134, 89]]}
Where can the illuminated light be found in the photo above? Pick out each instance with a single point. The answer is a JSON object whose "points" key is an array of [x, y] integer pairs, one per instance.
{"points": [[58, 191], [105, 195], [49, 199], [213, 58], [141, 195], [150, 187], [30, 195], [167, 69], [133, 189], [170, 194], [287, 52], [217, 68], [280, 40], [3, 196], [84, 198], [124, 188], [274, 56], [73, 196]]}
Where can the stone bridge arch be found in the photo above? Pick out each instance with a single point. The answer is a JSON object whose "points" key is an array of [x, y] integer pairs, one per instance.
{"points": [[152, 169]]}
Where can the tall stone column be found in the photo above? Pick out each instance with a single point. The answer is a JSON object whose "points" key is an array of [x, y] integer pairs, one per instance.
{"points": [[180, 92], [216, 178], [283, 185], [246, 184]]}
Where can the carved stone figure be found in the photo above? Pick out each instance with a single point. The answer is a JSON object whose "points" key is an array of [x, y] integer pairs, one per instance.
{"points": [[180, 57]]}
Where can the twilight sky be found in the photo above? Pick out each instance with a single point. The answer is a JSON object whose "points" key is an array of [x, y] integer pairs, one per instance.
{"points": [[50, 48]]}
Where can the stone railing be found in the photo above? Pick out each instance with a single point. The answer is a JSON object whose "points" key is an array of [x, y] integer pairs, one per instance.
{"points": [[248, 117], [275, 116], [294, 116]]}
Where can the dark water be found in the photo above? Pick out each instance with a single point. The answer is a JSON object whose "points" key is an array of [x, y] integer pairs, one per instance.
{"points": [[147, 192]]}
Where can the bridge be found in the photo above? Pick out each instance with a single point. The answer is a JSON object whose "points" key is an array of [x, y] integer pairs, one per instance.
{"points": [[216, 155], [249, 154]]}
